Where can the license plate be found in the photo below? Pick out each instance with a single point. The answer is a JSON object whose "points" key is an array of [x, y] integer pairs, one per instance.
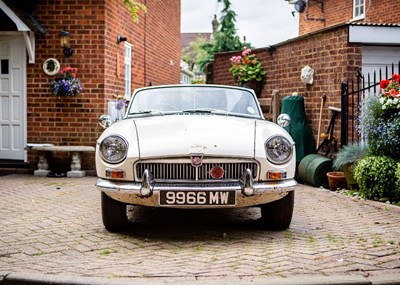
{"points": [[197, 198]]}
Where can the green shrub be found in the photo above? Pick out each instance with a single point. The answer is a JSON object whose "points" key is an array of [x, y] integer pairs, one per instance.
{"points": [[376, 177], [398, 182]]}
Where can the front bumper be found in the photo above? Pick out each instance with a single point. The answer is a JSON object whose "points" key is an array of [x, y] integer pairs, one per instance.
{"points": [[248, 193]]}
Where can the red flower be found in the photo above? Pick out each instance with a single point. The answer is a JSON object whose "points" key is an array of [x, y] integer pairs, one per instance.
{"points": [[396, 77], [393, 93], [384, 83], [246, 61]]}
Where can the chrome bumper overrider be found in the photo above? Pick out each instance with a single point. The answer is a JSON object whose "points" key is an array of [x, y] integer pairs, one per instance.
{"points": [[249, 193]]}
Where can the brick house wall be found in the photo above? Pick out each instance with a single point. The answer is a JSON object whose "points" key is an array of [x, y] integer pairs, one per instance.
{"points": [[341, 11], [327, 52], [94, 26]]}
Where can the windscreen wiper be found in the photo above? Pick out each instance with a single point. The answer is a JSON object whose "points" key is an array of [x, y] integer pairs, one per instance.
{"points": [[205, 111], [144, 112]]}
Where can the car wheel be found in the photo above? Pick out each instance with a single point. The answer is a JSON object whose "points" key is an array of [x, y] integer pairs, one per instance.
{"points": [[113, 213], [277, 215]]}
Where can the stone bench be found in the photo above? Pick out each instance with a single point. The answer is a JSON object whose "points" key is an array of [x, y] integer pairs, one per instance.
{"points": [[76, 158]]}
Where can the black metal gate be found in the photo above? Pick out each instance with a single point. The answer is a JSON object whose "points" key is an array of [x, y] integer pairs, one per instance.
{"points": [[353, 92]]}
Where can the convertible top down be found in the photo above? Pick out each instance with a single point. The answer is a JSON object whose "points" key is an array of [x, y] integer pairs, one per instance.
{"points": [[195, 146]]}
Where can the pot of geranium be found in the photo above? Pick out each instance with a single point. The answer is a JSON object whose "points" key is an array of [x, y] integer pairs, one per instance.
{"points": [[248, 71], [346, 159]]}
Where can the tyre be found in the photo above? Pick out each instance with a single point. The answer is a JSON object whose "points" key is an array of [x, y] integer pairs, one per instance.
{"points": [[277, 215], [113, 213]]}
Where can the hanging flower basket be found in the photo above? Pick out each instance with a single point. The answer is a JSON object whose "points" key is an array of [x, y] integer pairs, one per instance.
{"points": [[68, 85]]}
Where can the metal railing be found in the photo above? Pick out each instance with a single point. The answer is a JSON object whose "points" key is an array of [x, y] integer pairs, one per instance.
{"points": [[353, 93]]}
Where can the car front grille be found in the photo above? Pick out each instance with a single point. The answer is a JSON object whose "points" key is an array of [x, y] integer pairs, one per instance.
{"points": [[185, 171]]}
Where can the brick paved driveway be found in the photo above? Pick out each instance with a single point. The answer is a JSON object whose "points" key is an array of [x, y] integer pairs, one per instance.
{"points": [[53, 226]]}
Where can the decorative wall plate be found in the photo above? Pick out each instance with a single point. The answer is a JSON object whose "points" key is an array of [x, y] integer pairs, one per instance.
{"points": [[51, 66]]}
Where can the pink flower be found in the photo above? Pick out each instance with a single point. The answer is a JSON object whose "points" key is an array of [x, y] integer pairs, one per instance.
{"points": [[236, 59], [246, 52]]}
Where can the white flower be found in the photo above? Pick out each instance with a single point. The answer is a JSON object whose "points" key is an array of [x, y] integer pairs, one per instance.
{"points": [[382, 100]]}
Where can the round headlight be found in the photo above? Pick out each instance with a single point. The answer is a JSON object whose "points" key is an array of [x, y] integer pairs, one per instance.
{"points": [[279, 150], [113, 149]]}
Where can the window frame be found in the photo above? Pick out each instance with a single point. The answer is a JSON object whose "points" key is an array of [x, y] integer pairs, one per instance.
{"points": [[128, 70], [356, 7]]}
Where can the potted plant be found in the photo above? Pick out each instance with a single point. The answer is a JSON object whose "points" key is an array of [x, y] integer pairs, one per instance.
{"points": [[68, 84], [336, 180], [247, 70], [347, 157]]}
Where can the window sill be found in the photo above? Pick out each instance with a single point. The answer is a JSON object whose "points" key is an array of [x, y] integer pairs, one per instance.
{"points": [[358, 18]]}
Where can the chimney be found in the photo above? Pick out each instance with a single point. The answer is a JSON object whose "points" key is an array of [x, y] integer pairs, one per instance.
{"points": [[215, 24]]}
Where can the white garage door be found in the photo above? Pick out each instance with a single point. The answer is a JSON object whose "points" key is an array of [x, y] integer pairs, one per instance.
{"points": [[380, 57]]}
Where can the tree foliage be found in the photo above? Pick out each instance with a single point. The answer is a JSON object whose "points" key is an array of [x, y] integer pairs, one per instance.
{"points": [[225, 39], [196, 53], [134, 8]]}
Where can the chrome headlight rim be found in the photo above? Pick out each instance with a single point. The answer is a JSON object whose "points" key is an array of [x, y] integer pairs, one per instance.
{"points": [[120, 157], [276, 159]]}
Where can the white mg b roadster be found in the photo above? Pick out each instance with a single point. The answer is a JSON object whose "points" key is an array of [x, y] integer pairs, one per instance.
{"points": [[196, 146]]}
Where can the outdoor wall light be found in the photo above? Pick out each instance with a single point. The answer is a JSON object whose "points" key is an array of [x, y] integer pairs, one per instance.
{"points": [[64, 41], [121, 39], [299, 6]]}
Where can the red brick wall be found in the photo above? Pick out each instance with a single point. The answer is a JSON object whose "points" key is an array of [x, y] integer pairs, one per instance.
{"points": [[328, 53], [341, 11], [161, 52], [94, 26]]}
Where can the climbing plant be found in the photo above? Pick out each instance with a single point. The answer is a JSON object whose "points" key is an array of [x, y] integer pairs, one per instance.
{"points": [[134, 7]]}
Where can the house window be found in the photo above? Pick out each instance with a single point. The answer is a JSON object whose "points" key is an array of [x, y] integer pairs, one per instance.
{"points": [[128, 70], [358, 9], [4, 66]]}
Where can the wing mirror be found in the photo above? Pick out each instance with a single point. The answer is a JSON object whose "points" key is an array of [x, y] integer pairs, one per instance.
{"points": [[283, 120], [105, 121]]}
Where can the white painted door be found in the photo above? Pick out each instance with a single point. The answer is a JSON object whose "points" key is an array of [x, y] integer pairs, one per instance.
{"points": [[12, 97]]}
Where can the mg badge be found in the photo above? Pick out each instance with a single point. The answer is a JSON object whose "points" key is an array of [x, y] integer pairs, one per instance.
{"points": [[197, 160]]}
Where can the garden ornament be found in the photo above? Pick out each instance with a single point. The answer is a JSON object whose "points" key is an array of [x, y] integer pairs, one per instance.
{"points": [[307, 74]]}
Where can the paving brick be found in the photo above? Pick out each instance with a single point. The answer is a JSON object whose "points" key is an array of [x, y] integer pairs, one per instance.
{"points": [[54, 227]]}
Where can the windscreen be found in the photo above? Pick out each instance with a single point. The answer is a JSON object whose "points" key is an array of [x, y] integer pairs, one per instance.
{"points": [[169, 100]]}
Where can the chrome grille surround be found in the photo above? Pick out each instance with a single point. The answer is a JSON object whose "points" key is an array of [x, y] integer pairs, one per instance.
{"points": [[181, 170]]}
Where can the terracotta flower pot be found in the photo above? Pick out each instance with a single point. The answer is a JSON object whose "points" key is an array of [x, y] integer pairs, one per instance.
{"points": [[336, 180]]}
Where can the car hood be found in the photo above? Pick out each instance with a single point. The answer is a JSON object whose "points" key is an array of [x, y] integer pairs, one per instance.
{"points": [[181, 135]]}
